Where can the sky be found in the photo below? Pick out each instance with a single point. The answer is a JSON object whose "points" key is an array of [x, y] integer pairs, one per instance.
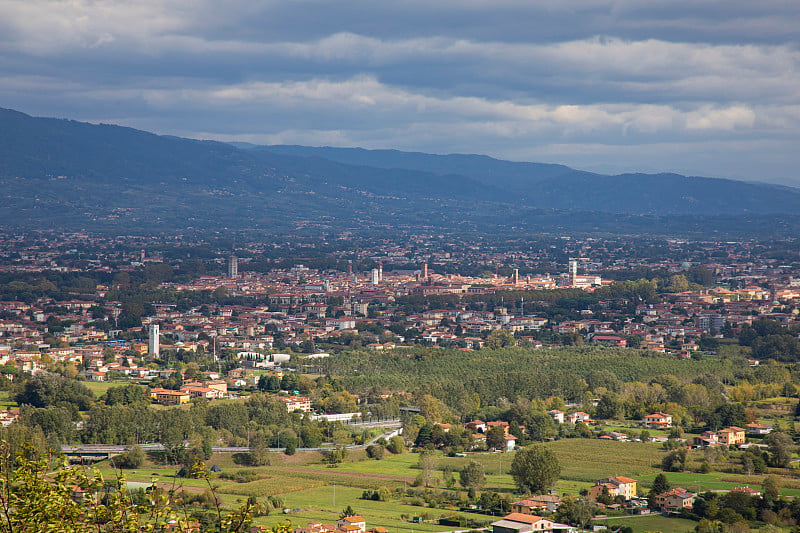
{"points": [[698, 87]]}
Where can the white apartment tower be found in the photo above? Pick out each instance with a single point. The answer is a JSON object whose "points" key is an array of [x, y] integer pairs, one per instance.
{"points": [[153, 340]]}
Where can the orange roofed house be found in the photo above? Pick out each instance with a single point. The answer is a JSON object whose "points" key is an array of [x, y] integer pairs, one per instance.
{"points": [[658, 420], [526, 523], [549, 502], [675, 500], [616, 485], [731, 435], [352, 524]]}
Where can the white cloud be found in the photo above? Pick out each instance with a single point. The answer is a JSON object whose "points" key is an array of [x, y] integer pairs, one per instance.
{"points": [[498, 76]]}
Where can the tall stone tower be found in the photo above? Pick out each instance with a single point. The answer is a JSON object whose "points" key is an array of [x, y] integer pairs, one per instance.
{"points": [[153, 343], [233, 267]]}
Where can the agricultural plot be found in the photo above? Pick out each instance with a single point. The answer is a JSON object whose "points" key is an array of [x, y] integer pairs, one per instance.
{"points": [[324, 504], [591, 459], [652, 523]]}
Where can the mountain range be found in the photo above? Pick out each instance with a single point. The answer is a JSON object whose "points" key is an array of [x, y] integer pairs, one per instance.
{"points": [[70, 174]]}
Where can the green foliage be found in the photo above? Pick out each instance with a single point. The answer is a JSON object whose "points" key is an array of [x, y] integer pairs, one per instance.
{"points": [[660, 485], [472, 476], [509, 372], [781, 448], [46, 389], [347, 511], [375, 451], [499, 338], [396, 445], [675, 461], [74, 500], [496, 438], [125, 395], [535, 468], [133, 458], [575, 511]]}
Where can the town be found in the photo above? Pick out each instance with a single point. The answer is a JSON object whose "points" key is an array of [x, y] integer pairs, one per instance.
{"points": [[332, 359]]}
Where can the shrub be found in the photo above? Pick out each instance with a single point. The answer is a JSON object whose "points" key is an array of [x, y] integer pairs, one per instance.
{"points": [[133, 458]]}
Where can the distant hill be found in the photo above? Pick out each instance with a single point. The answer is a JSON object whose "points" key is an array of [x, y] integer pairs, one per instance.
{"points": [[63, 173], [561, 187]]}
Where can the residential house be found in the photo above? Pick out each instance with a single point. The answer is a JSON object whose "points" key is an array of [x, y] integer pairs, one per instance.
{"points": [[758, 429], [747, 490], [731, 435], [498, 424], [476, 425], [578, 416], [348, 523], [616, 485], [511, 442], [706, 439], [658, 420], [558, 416], [534, 504], [612, 340], [525, 523], [296, 403], [170, 397], [674, 500]]}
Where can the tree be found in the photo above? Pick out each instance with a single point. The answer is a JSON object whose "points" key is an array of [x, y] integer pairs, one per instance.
{"points": [[732, 414], [46, 389], [126, 395], [610, 406], [259, 450], [472, 476], [675, 461], [496, 438], [605, 497], [535, 468], [133, 458], [347, 511], [771, 487], [540, 427], [375, 451], [396, 445], [575, 511], [660, 485], [780, 448], [427, 463], [500, 338]]}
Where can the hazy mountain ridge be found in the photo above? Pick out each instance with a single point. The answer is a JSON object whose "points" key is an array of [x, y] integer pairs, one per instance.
{"points": [[561, 187], [56, 172]]}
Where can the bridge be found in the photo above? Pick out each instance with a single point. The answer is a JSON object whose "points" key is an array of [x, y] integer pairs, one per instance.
{"points": [[99, 452]]}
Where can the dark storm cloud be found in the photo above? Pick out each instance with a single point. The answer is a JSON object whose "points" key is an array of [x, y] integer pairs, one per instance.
{"points": [[695, 87]]}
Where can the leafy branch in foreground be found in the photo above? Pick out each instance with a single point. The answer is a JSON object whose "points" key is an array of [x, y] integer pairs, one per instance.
{"points": [[50, 495]]}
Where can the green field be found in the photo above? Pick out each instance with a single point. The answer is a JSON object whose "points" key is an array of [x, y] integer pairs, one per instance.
{"points": [[652, 523], [100, 387], [588, 460], [307, 485]]}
